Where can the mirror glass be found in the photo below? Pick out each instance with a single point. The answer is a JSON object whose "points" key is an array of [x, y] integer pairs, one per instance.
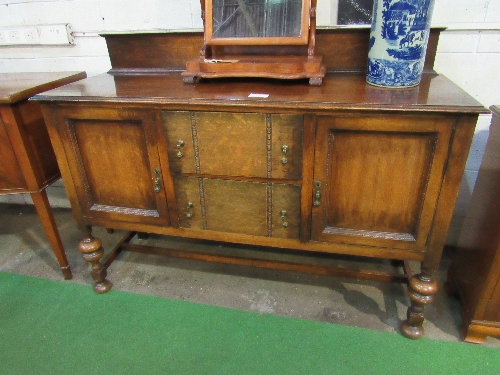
{"points": [[256, 18]]}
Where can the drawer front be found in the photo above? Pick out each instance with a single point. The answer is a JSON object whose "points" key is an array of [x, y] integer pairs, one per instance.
{"points": [[252, 208], [235, 144]]}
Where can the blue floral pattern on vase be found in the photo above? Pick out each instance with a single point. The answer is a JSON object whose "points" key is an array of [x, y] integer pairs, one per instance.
{"points": [[398, 42]]}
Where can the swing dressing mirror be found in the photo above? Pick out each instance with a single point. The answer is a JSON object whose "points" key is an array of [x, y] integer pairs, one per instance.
{"points": [[257, 38], [257, 22]]}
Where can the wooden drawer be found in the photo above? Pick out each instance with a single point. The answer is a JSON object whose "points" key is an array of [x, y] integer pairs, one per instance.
{"points": [[238, 206], [234, 144]]}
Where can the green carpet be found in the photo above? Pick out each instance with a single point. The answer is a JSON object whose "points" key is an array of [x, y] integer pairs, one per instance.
{"points": [[49, 327]]}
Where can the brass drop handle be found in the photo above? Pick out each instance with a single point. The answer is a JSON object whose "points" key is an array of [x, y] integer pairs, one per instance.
{"points": [[157, 180], [285, 223], [284, 150], [317, 193], [189, 215], [180, 144]]}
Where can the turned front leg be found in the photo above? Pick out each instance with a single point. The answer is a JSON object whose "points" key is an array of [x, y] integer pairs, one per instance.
{"points": [[421, 290], [92, 252]]}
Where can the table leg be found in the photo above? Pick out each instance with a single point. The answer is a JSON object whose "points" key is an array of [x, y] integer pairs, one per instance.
{"points": [[46, 216], [421, 290], [92, 252]]}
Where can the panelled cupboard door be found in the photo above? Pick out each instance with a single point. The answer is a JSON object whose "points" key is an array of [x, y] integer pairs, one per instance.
{"points": [[234, 144], [10, 172], [377, 179], [254, 208], [114, 162]]}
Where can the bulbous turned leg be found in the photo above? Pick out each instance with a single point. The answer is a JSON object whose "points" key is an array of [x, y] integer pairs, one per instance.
{"points": [[92, 252], [421, 290]]}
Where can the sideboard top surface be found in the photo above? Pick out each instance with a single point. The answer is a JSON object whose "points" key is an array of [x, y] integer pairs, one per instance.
{"points": [[146, 70], [15, 87], [338, 91]]}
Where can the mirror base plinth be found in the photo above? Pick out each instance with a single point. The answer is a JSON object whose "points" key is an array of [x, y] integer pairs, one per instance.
{"points": [[277, 67]]}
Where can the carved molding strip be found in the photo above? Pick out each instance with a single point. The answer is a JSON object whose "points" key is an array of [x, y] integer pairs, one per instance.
{"points": [[269, 145], [196, 147], [203, 207], [124, 210], [201, 185], [269, 187], [370, 234]]}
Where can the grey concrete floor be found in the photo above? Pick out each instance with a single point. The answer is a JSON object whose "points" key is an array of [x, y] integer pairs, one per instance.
{"points": [[381, 306]]}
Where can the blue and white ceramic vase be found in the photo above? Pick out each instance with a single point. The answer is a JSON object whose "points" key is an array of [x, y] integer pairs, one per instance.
{"points": [[398, 41]]}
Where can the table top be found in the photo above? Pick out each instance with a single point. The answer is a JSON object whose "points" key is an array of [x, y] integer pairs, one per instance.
{"points": [[338, 91], [15, 87]]}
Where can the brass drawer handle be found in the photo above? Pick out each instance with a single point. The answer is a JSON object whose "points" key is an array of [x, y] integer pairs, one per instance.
{"points": [[180, 144], [317, 193], [285, 223], [284, 150], [189, 215], [157, 180]]}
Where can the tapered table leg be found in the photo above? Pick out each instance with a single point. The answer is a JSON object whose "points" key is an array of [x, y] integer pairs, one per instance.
{"points": [[46, 216]]}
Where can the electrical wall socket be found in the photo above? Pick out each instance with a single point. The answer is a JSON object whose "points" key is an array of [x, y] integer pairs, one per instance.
{"points": [[58, 34], [31, 35], [14, 36]]}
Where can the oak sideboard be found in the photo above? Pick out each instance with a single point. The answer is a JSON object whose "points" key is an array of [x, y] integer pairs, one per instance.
{"points": [[344, 168]]}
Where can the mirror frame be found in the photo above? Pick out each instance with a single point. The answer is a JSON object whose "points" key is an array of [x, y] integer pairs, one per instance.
{"points": [[302, 39]]}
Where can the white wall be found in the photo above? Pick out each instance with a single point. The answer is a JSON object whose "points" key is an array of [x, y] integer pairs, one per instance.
{"points": [[468, 52]]}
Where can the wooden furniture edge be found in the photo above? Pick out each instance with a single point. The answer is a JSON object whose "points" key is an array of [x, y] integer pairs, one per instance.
{"points": [[29, 92]]}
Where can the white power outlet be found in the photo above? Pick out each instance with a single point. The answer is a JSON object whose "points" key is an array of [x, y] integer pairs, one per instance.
{"points": [[31, 35], [14, 36], [58, 34]]}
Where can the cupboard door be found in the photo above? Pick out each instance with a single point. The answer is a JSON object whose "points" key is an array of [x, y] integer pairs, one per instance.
{"points": [[380, 179], [238, 206], [10, 172], [114, 162], [235, 144]]}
